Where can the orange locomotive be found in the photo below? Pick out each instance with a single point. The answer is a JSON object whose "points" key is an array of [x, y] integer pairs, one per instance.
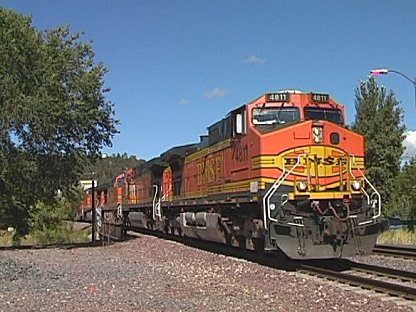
{"points": [[282, 172]]}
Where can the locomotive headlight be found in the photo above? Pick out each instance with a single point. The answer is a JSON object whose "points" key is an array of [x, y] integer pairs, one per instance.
{"points": [[302, 186], [356, 185], [317, 134]]}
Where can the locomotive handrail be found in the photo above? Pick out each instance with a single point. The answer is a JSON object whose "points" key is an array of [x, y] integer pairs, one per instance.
{"points": [[156, 204], [378, 214], [352, 174], [273, 189]]}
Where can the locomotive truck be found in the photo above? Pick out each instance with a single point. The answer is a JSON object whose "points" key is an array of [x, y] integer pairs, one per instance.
{"points": [[282, 173]]}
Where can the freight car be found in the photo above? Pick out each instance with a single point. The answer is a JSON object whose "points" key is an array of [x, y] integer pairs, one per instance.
{"points": [[280, 173]]}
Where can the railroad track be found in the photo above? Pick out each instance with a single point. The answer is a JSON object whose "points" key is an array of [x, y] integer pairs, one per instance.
{"points": [[384, 272], [397, 251], [384, 280]]}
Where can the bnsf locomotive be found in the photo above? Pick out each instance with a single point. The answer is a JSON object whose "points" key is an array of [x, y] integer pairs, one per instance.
{"points": [[281, 173]]}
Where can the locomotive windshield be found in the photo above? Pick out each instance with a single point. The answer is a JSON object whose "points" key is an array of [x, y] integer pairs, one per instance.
{"points": [[332, 115], [275, 115]]}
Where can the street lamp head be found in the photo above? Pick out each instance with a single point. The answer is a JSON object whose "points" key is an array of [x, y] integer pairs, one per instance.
{"points": [[379, 71], [384, 71]]}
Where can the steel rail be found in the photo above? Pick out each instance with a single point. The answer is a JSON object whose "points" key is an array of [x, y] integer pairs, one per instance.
{"points": [[399, 251], [384, 271], [391, 289]]}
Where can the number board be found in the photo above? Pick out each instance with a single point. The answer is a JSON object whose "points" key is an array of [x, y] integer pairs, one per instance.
{"points": [[320, 97], [277, 97]]}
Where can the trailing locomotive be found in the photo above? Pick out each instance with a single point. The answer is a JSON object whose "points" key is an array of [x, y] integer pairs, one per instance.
{"points": [[282, 172]]}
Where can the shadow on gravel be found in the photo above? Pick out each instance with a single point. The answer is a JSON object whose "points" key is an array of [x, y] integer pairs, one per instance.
{"points": [[97, 243], [275, 260], [334, 264]]}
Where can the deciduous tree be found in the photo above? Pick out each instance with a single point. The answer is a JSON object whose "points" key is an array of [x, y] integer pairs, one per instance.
{"points": [[54, 116]]}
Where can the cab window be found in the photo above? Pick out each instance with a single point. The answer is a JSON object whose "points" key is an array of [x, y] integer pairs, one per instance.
{"points": [[317, 113], [275, 116], [239, 123]]}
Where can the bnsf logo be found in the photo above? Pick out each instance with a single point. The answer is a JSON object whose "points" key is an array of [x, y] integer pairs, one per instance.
{"points": [[327, 161]]}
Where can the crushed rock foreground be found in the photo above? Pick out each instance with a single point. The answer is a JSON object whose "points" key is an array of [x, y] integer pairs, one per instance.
{"points": [[150, 274]]}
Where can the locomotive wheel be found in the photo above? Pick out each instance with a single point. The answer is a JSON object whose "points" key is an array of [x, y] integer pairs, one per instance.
{"points": [[241, 241], [258, 244], [228, 239]]}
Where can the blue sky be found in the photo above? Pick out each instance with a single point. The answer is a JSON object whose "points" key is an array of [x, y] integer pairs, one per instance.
{"points": [[176, 67]]}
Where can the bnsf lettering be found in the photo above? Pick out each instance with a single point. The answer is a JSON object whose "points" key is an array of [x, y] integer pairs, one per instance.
{"points": [[327, 161], [200, 176], [210, 170], [290, 161]]}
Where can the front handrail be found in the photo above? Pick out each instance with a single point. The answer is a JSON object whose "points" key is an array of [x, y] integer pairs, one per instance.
{"points": [[374, 199], [273, 189], [378, 214]]}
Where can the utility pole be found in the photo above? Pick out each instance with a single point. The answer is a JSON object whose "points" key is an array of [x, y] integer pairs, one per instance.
{"points": [[93, 212]]}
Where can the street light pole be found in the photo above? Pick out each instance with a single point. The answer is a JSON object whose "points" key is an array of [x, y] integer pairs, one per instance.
{"points": [[385, 71]]}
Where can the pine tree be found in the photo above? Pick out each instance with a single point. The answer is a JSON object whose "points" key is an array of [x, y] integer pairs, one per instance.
{"points": [[404, 196], [379, 119], [108, 168]]}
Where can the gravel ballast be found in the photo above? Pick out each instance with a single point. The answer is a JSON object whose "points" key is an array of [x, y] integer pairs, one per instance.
{"points": [[151, 274]]}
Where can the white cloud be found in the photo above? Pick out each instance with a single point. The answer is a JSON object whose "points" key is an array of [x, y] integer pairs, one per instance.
{"points": [[410, 144], [216, 93], [184, 101], [254, 59]]}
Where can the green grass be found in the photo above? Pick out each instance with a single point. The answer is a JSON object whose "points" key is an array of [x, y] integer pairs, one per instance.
{"points": [[75, 236], [5, 238], [399, 237], [83, 235]]}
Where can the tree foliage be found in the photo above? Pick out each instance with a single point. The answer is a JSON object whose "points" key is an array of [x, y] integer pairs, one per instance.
{"points": [[379, 119], [54, 116], [106, 169], [404, 195], [47, 222]]}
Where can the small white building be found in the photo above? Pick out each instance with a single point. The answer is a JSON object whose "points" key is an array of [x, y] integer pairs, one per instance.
{"points": [[87, 184]]}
